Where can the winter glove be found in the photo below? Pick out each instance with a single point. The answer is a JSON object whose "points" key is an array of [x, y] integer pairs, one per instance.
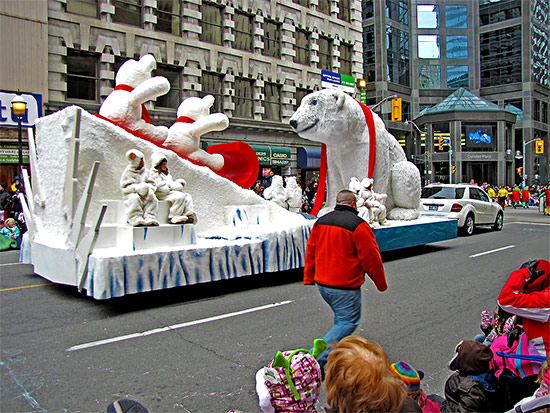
{"points": [[530, 265], [513, 335], [534, 275]]}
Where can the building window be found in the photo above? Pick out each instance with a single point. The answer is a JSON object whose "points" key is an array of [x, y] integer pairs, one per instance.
{"points": [[272, 38], [82, 7], [325, 53], [398, 10], [428, 46], [344, 10], [244, 101], [429, 77], [128, 12], [456, 16], [174, 97], [500, 56], [302, 41], [82, 78], [300, 93], [397, 43], [457, 76], [272, 101], [168, 16], [540, 10], [367, 9], [457, 47], [369, 55], [428, 16], [304, 3], [491, 12], [212, 85], [345, 58], [243, 31], [544, 112], [536, 110], [539, 61], [211, 23], [324, 6]]}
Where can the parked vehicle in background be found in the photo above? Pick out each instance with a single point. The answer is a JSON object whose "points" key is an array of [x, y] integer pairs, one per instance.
{"points": [[469, 204]]}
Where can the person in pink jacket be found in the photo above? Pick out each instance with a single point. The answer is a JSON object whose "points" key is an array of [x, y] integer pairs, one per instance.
{"points": [[527, 294]]}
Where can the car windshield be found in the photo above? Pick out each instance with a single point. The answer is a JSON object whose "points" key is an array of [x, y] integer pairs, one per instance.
{"points": [[442, 192]]}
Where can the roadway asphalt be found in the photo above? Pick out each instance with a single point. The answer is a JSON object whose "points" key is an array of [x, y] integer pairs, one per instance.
{"points": [[205, 357]]}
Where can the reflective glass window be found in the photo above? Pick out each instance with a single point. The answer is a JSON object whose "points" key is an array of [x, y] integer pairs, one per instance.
{"points": [[345, 58], [168, 16], [211, 23], [456, 16], [302, 46], [325, 53], [128, 12], [539, 61], [500, 56], [428, 46], [457, 47], [344, 10], [83, 7], [457, 76], [494, 11], [540, 10], [173, 98], [428, 16], [212, 84], [243, 30], [369, 55], [244, 98], [367, 9], [272, 38], [429, 77], [272, 102], [398, 10], [82, 76], [397, 42]]}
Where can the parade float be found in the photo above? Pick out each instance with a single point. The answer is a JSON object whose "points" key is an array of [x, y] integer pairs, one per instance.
{"points": [[80, 214]]}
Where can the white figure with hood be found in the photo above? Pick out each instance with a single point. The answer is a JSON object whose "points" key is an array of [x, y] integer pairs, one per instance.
{"points": [[276, 192], [138, 191], [171, 190], [371, 204], [293, 194], [134, 87]]}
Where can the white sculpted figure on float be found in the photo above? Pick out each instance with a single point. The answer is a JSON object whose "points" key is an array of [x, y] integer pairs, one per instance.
{"points": [[134, 87], [371, 204], [293, 194], [171, 190], [332, 117], [194, 120], [276, 192], [138, 191]]}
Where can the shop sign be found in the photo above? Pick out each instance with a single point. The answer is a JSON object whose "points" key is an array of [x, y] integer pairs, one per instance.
{"points": [[338, 81], [10, 154], [32, 113], [272, 155]]}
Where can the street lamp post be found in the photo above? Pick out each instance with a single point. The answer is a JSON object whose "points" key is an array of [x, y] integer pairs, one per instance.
{"points": [[382, 101], [524, 155], [19, 109]]}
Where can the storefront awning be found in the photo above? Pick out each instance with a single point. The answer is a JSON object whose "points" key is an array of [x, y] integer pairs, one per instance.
{"points": [[309, 157]]}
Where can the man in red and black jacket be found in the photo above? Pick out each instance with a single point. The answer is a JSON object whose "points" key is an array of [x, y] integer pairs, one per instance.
{"points": [[340, 250]]}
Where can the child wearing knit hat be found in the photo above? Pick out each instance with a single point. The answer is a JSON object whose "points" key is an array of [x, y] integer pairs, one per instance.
{"points": [[412, 377]]}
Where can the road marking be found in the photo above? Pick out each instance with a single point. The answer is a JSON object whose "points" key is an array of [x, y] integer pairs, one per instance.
{"points": [[529, 223], [25, 286], [174, 327], [490, 252]]}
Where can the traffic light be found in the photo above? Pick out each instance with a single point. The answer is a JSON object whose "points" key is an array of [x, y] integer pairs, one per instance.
{"points": [[440, 144], [453, 169], [519, 170], [361, 83], [539, 146], [396, 109]]}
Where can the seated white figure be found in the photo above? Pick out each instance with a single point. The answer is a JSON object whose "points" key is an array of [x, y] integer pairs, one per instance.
{"points": [[181, 203], [138, 191], [276, 192], [371, 204], [293, 194]]}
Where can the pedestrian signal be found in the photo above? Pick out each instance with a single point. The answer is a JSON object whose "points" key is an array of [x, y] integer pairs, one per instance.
{"points": [[396, 109], [453, 169], [539, 146], [440, 144], [519, 171]]}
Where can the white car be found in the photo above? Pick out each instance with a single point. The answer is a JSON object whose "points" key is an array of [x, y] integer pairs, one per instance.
{"points": [[469, 204]]}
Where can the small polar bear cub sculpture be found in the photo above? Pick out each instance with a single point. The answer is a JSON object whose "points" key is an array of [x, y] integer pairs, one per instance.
{"points": [[370, 205], [194, 120], [293, 194], [134, 87], [334, 118]]}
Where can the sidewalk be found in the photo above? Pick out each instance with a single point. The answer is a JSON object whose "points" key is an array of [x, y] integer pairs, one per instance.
{"points": [[9, 257]]}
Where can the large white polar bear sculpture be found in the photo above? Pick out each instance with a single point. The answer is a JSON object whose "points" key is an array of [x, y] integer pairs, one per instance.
{"points": [[194, 120], [336, 119], [134, 87]]}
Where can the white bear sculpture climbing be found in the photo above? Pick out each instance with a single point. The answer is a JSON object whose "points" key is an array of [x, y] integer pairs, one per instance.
{"points": [[134, 87], [194, 120], [332, 117]]}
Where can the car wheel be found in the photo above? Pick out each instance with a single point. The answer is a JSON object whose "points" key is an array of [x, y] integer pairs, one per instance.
{"points": [[497, 226], [468, 228]]}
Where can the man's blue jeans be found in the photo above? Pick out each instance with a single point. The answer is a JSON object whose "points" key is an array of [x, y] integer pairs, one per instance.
{"points": [[346, 305]]}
